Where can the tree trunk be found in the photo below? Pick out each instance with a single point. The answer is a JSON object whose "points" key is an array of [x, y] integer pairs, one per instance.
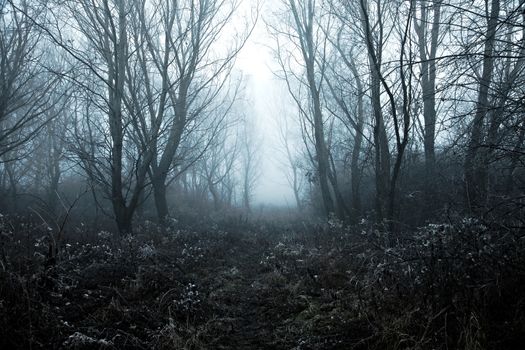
{"points": [[296, 189], [161, 202], [341, 207], [246, 197], [160, 171], [52, 195], [428, 87], [382, 150], [514, 161], [358, 125], [12, 192], [304, 29], [52, 190], [323, 169], [429, 115], [124, 219], [382, 157], [356, 151], [116, 74], [215, 195], [323, 166], [475, 173]]}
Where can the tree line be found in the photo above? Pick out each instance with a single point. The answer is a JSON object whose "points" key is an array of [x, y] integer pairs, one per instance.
{"points": [[415, 106], [123, 98], [399, 111]]}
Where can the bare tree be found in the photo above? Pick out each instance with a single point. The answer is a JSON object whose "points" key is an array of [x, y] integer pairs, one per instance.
{"points": [[219, 166], [379, 23], [303, 32], [193, 70], [49, 155], [105, 59], [289, 151], [348, 92], [475, 173], [374, 42], [25, 81], [427, 28], [250, 159]]}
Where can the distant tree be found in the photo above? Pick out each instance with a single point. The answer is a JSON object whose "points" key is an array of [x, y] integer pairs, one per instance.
{"points": [[303, 32], [193, 65], [291, 155], [348, 93], [26, 104], [250, 159], [219, 167], [49, 156]]}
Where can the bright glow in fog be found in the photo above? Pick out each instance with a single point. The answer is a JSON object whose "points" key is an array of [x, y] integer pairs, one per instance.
{"points": [[256, 62]]}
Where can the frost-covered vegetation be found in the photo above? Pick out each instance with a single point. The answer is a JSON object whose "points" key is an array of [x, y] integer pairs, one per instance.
{"points": [[264, 285]]}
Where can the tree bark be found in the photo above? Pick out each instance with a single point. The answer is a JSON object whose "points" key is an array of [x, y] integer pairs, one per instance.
{"points": [[382, 150], [161, 202], [304, 29], [428, 65], [475, 173], [161, 170], [356, 151]]}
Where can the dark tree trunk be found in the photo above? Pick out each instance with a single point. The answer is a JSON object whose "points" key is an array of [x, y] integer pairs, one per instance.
{"points": [[382, 157], [356, 152], [304, 21], [124, 220], [215, 196], [161, 202], [382, 149], [13, 191], [52, 191], [475, 172], [427, 56]]}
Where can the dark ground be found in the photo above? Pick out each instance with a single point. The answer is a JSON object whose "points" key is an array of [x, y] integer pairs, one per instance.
{"points": [[264, 286]]}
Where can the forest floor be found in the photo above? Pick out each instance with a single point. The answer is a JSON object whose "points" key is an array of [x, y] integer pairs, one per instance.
{"points": [[250, 287]]}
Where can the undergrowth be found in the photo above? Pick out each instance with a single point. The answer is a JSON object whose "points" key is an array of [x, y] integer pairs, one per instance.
{"points": [[263, 285]]}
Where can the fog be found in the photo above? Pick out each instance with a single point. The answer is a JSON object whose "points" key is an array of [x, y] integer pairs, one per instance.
{"points": [[279, 174], [257, 63]]}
